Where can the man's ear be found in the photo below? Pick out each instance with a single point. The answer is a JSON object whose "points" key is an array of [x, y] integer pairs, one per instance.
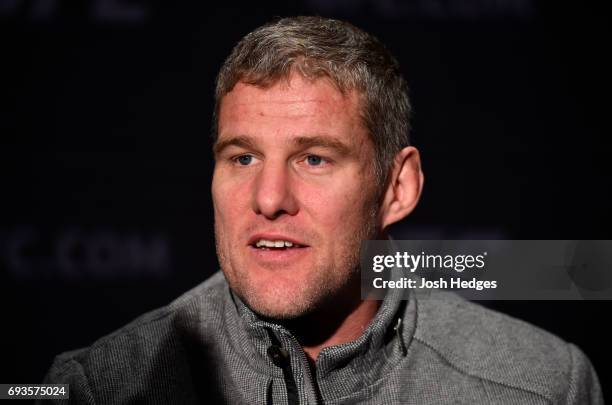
{"points": [[403, 187]]}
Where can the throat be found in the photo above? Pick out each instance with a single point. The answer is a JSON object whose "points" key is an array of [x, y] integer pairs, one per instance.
{"points": [[333, 326]]}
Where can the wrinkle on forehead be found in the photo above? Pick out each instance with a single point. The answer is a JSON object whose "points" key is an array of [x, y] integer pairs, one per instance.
{"points": [[312, 98], [291, 108]]}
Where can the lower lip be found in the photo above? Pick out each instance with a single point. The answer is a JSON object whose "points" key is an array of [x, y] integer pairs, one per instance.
{"points": [[280, 256]]}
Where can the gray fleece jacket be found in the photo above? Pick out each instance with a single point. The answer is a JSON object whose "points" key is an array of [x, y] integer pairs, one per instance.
{"points": [[208, 347]]}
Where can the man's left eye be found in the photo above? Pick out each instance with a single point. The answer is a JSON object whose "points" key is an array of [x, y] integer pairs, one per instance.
{"points": [[314, 160]]}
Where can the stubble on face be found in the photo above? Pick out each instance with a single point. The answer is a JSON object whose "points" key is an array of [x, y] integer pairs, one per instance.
{"points": [[327, 282]]}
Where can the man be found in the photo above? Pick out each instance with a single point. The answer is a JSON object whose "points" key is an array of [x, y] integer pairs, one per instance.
{"points": [[313, 157]]}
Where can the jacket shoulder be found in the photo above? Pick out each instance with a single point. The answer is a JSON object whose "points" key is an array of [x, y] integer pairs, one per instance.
{"points": [[188, 307], [497, 348], [141, 342]]}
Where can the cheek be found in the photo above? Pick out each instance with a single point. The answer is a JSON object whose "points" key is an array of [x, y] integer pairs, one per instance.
{"points": [[337, 207], [229, 201]]}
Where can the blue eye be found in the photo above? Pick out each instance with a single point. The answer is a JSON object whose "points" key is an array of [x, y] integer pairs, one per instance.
{"points": [[245, 160], [314, 160]]}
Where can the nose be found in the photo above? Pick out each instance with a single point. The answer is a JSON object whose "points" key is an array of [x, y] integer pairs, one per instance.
{"points": [[272, 196]]}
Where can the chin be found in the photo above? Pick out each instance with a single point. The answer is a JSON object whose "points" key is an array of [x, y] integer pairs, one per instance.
{"points": [[279, 313], [281, 304]]}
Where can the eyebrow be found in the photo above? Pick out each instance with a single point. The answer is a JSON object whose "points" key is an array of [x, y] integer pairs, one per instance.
{"points": [[240, 141], [302, 141], [323, 142]]}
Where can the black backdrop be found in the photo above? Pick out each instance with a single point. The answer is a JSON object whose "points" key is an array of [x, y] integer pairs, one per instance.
{"points": [[105, 160]]}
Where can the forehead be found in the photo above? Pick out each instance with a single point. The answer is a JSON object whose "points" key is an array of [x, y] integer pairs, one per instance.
{"points": [[293, 107]]}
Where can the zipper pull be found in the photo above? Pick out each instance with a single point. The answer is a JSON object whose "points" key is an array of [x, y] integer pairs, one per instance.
{"points": [[397, 328]]}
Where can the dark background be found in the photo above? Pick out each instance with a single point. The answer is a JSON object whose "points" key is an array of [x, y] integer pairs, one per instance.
{"points": [[105, 162]]}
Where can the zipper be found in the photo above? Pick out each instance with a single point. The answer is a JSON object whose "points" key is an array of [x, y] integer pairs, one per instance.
{"points": [[280, 357]]}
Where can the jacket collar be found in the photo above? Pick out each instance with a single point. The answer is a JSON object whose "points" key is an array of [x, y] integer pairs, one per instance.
{"points": [[341, 370]]}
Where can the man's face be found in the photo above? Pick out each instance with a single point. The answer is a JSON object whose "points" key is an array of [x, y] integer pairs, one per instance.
{"points": [[294, 170]]}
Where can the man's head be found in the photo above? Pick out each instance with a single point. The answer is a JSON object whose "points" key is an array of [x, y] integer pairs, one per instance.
{"points": [[312, 157]]}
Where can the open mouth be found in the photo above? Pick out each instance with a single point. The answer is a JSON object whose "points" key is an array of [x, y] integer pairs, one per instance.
{"points": [[265, 244]]}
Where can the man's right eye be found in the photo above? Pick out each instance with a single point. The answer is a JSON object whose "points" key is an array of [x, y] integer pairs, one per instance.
{"points": [[244, 160]]}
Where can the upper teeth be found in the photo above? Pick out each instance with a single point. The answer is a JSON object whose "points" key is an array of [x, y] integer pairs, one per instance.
{"points": [[273, 243]]}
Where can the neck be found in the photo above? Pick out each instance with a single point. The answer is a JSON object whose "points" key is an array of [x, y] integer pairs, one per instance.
{"points": [[341, 321]]}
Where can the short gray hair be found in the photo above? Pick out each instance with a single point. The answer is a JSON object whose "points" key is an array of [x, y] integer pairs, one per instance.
{"points": [[321, 47]]}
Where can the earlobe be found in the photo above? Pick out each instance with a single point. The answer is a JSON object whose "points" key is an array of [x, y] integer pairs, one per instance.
{"points": [[404, 187]]}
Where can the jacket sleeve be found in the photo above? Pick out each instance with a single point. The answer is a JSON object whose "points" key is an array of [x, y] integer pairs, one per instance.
{"points": [[69, 371], [583, 386]]}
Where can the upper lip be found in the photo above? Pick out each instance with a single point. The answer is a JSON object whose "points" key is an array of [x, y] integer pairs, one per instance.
{"points": [[274, 236]]}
